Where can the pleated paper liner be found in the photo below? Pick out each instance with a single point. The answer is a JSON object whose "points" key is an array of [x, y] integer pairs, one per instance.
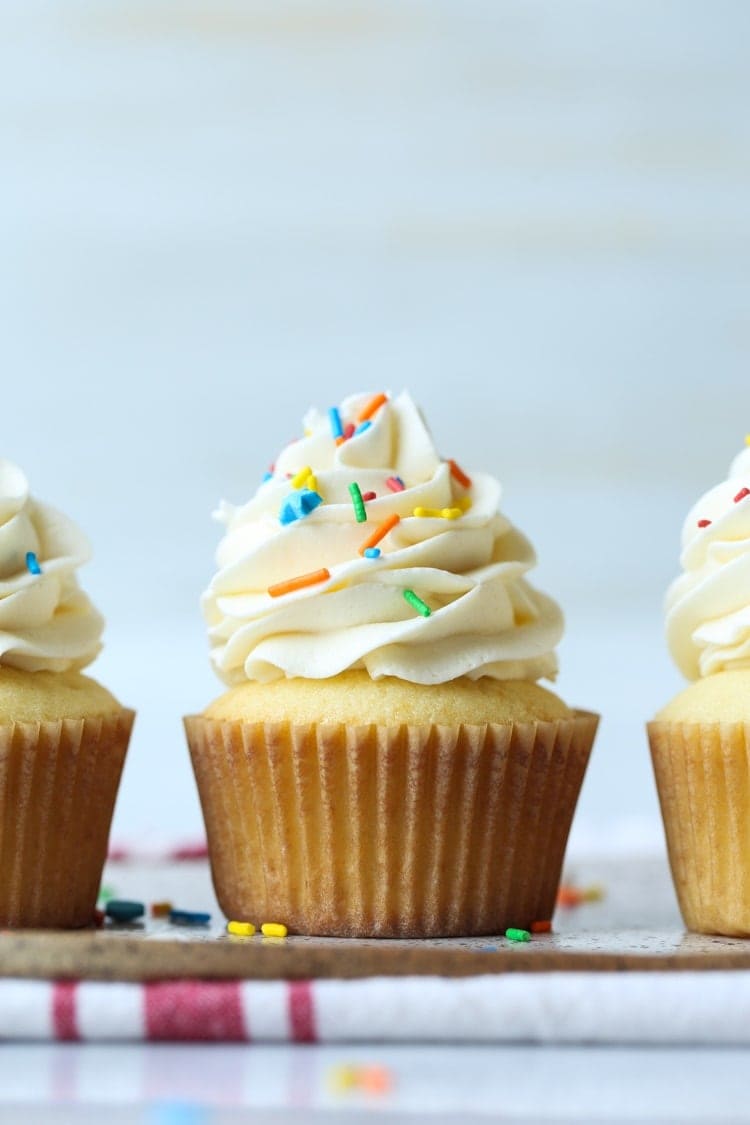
{"points": [[58, 784], [389, 831], [703, 778]]}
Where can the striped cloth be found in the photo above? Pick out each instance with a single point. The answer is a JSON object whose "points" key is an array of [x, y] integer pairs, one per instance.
{"points": [[641, 1007]]}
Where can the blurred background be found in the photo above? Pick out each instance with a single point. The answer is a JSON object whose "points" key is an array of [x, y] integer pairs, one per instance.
{"points": [[532, 214]]}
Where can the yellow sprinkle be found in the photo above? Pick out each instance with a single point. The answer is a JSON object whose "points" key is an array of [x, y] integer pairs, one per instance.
{"points": [[342, 1078], [464, 503], [438, 513], [273, 929], [241, 929], [312, 483], [747, 439], [299, 478], [451, 513], [594, 893]]}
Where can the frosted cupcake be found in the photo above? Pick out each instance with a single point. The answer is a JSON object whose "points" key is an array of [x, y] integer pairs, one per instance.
{"points": [[63, 737], [700, 742], [384, 762]]}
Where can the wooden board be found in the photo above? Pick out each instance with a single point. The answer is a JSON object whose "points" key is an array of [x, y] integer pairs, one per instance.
{"points": [[614, 935]]}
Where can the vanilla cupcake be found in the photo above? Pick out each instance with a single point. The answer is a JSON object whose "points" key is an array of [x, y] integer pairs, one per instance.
{"points": [[63, 737], [384, 762], [700, 742]]}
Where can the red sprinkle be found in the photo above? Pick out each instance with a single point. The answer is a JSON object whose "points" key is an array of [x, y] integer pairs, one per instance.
{"points": [[395, 484], [369, 496], [99, 918], [743, 492], [541, 927], [349, 429], [704, 523]]}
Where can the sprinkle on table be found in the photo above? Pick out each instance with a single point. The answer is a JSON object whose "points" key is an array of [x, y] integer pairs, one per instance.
{"points": [[335, 419], [743, 492], [301, 476], [517, 935], [541, 927], [123, 910], [358, 503], [395, 484], [372, 407], [32, 563], [161, 909], [704, 523], [416, 603], [458, 474], [380, 532], [240, 929], [299, 583], [438, 513], [189, 918], [273, 929]]}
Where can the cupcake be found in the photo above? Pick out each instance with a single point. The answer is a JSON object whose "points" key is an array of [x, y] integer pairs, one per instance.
{"points": [[700, 742], [384, 762], [63, 737]]}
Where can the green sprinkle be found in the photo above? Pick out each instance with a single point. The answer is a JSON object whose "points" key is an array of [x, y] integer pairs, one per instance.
{"points": [[518, 935], [359, 504], [106, 893], [417, 603]]}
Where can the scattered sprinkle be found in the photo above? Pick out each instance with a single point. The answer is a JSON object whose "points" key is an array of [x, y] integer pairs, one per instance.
{"points": [[161, 909], [416, 603], [32, 563], [362, 428], [299, 583], [594, 893], [458, 474], [569, 896], [375, 1079], [273, 929], [358, 502], [372, 552], [488, 949], [743, 492], [335, 419], [541, 927], [122, 910], [438, 513], [367, 496], [372, 1079], [704, 523], [372, 407], [395, 484], [98, 918], [298, 505], [300, 477], [189, 918], [105, 893], [380, 532], [517, 935], [241, 929]]}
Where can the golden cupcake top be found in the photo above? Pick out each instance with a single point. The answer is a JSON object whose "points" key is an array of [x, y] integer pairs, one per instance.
{"points": [[365, 549]]}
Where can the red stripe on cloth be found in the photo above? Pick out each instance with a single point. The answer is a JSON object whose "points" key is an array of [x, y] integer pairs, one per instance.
{"points": [[64, 1009], [194, 1010], [302, 1012]]}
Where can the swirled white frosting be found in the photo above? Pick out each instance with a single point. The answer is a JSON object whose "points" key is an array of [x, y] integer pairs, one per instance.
{"points": [[46, 621], [708, 605], [486, 619]]}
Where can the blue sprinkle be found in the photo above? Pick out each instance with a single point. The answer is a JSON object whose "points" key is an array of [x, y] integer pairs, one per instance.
{"points": [[267, 476], [299, 504], [32, 562], [361, 429], [372, 552], [189, 918], [336, 428], [122, 910], [488, 949]]}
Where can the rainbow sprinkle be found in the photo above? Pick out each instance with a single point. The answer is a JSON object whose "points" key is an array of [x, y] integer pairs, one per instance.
{"points": [[359, 504], [299, 583], [458, 474], [704, 523], [372, 407], [372, 552], [369, 496], [395, 484], [300, 477], [380, 532], [32, 563], [743, 492], [335, 419], [438, 513], [298, 505], [361, 429], [416, 603]]}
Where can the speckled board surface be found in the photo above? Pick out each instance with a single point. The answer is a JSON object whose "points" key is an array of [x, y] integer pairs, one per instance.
{"points": [[635, 926]]}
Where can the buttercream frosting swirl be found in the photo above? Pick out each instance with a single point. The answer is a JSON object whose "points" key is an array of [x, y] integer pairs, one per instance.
{"points": [[485, 619], [46, 621], [708, 605]]}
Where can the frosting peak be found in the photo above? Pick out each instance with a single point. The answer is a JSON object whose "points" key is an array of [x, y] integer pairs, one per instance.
{"points": [[441, 538], [708, 605], [46, 621]]}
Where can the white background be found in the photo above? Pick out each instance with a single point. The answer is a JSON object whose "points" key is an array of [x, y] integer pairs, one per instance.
{"points": [[534, 215]]}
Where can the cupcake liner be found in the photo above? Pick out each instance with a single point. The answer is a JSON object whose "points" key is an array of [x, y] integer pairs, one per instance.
{"points": [[389, 831], [58, 784], [703, 778]]}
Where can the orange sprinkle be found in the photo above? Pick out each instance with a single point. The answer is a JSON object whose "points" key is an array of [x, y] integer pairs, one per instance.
{"points": [[459, 474], [569, 896], [541, 927], [299, 583], [373, 405], [380, 532]]}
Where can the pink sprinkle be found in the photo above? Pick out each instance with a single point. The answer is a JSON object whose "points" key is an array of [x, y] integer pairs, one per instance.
{"points": [[349, 429], [704, 523], [395, 484], [743, 492], [369, 496]]}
